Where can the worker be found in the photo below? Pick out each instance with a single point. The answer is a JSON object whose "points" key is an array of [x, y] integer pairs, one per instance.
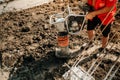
{"points": [[98, 15]]}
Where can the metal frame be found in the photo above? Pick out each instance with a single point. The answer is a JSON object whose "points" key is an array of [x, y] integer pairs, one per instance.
{"points": [[64, 19]]}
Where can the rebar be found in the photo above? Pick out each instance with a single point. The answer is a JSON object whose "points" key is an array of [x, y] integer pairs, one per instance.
{"points": [[77, 61], [72, 70], [111, 68], [98, 57], [83, 57], [103, 56], [114, 73], [101, 52]]}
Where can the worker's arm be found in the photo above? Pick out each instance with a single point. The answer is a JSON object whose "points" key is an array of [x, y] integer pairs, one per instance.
{"points": [[97, 12]]}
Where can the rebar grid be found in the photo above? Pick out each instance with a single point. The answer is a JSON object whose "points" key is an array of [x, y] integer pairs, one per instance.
{"points": [[111, 68], [100, 58], [114, 73]]}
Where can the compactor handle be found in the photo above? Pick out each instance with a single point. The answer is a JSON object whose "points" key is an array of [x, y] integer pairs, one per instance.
{"points": [[56, 18]]}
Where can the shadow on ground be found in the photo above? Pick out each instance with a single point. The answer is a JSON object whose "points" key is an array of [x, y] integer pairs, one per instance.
{"points": [[44, 69]]}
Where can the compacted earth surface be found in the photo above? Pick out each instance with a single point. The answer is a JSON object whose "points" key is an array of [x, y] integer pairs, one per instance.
{"points": [[28, 42]]}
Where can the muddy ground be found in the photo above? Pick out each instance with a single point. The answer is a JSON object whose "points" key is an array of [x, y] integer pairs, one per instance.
{"points": [[28, 42]]}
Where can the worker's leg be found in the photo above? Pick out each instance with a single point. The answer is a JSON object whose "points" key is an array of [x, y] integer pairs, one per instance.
{"points": [[90, 30], [91, 26], [104, 41], [91, 34], [105, 33]]}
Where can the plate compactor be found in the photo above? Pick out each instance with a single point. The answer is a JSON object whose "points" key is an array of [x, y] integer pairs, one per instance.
{"points": [[67, 23]]}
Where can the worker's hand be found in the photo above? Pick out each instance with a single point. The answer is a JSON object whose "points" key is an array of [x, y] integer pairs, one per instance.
{"points": [[90, 15]]}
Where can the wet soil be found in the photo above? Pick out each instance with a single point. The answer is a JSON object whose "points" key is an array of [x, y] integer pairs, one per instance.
{"points": [[28, 42]]}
